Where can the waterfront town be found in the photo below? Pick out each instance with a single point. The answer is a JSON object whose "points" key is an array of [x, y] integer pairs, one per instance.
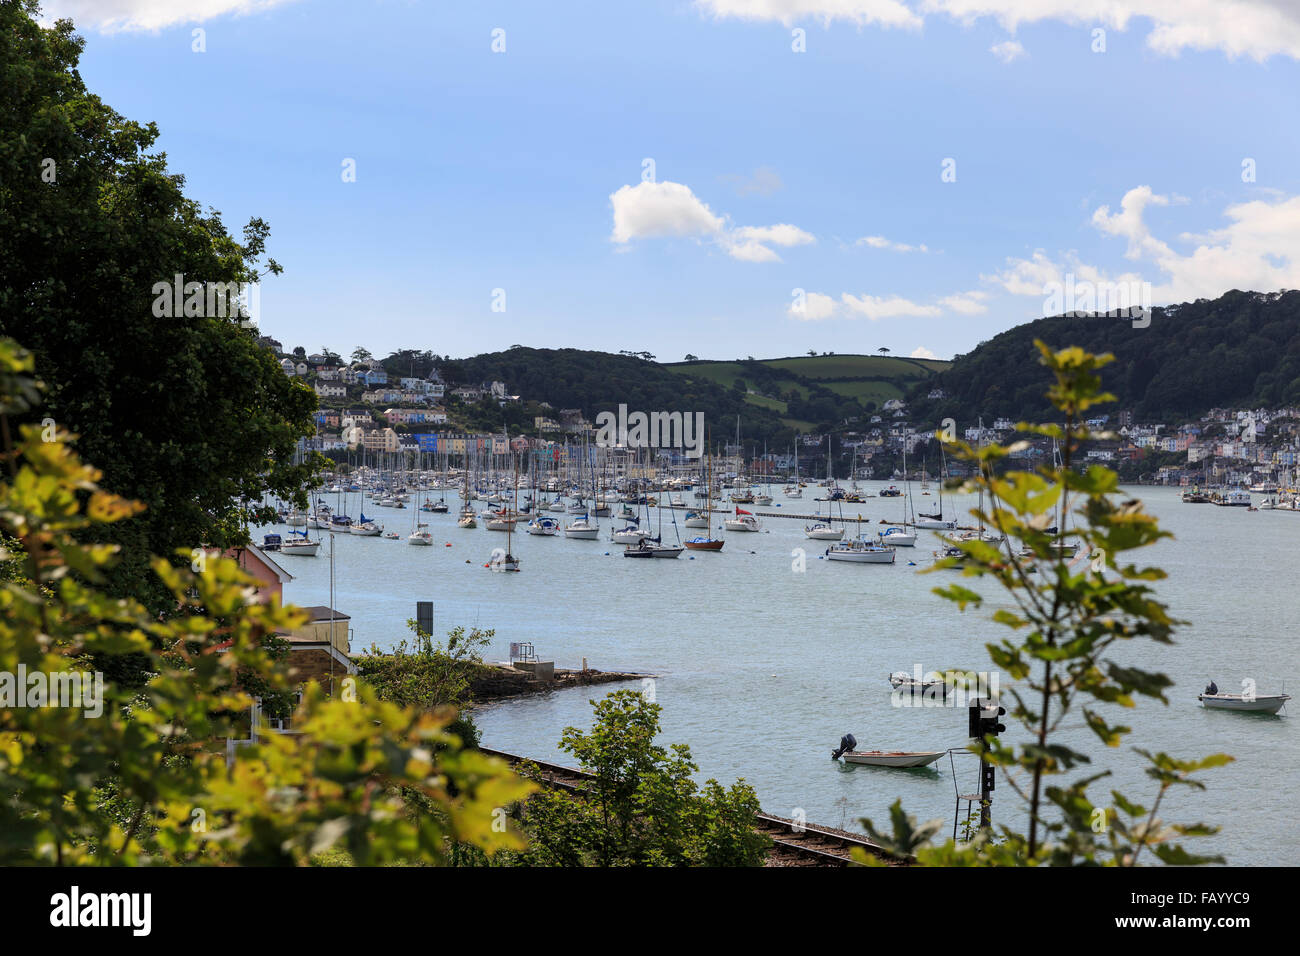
{"points": [[361, 409]]}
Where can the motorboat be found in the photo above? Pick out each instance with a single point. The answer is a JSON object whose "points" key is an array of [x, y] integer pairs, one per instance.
{"points": [[860, 551], [822, 531], [904, 683], [582, 528], [648, 548], [1256, 703], [897, 538], [301, 546], [892, 758]]}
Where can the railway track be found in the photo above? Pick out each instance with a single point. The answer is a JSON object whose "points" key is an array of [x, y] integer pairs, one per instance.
{"points": [[793, 843]]}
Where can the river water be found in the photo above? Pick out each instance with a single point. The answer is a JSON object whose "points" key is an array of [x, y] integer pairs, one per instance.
{"points": [[761, 667]]}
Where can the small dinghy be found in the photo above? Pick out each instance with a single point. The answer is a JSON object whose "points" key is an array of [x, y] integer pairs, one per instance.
{"points": [[1259, 703], [903, 682], [883, 758], [1256, 703]]}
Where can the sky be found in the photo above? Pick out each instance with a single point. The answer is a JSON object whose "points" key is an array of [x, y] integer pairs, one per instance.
{"points": [[723, 178]]}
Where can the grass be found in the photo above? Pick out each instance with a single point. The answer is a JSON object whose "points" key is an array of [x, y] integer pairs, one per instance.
{"points": [[887, 376]]}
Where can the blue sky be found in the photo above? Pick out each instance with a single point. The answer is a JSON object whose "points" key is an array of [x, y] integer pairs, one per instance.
{"points": [[773, 170]]}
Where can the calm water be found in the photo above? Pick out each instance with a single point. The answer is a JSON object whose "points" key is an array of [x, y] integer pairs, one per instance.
{"points": [[761, 669]]}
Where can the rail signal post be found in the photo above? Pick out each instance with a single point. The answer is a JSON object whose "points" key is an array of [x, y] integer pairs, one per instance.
{"points": [[984, 722]]}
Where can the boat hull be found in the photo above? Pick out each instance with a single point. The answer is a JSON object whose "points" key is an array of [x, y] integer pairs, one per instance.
{"points": [[714, 545], [877, 758], [1259, 704]]}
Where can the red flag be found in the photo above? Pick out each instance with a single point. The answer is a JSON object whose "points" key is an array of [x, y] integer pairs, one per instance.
{"points": [[742, 511]]}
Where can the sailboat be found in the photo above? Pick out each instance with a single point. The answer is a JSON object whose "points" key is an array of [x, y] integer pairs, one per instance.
{"points": [[507, 561], [935, 522], [420, 534], [794, 490], [584, 527], [900, 537], [743, 521], [705, 542]]}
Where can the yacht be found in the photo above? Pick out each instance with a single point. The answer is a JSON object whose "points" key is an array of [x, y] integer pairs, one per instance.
{"points": [[860, 551]]}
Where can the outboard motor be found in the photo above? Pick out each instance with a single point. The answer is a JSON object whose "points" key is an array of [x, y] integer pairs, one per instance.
{"points": [[847, 742]]}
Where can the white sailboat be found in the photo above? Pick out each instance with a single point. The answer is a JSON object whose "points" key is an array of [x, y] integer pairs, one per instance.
{"points": [[743, 521]]}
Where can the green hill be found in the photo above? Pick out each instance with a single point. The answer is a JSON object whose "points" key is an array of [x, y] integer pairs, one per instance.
{"points": [[1239, 350], [806, 390], [774, 398]]}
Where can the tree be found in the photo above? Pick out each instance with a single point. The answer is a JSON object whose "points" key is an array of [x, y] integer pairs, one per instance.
{"points": [[691, 358], [642, 808], [882, 350], [1067, 622], [123, 775], [360, 354], [187, 413]]}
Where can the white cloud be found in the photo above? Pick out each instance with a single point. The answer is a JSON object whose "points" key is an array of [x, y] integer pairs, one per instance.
{"points": [[891, 307], [966, 303], [922, 352], [1007, 50], [816, 306], [1258, 250], [657, 210], [886, 13], [880, 242], [1252, 28], [115, 16], [1128, 222], [782, 234], [651, 210]]}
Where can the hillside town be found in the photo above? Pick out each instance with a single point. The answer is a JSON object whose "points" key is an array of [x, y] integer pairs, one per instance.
{"points": [[363, 409]]}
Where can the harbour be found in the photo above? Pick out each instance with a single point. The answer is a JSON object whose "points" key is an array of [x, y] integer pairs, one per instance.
{"points": [[804, 656]]}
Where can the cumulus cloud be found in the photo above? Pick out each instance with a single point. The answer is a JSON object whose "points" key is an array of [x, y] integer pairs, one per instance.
{"points": [[817, 306], [1007, 50], [1258, 249], [813, 307], [1252, 28], [966, 303], [922, 352], [880, 242], [885, 13], [652, 210], [117, 16], [886, 307], [659, 210]]}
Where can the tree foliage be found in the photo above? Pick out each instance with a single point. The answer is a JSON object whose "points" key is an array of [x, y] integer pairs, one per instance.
{"points": [[643, 808], [1068, 625], [186, 414], [138, 774], [1241, 350]]}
